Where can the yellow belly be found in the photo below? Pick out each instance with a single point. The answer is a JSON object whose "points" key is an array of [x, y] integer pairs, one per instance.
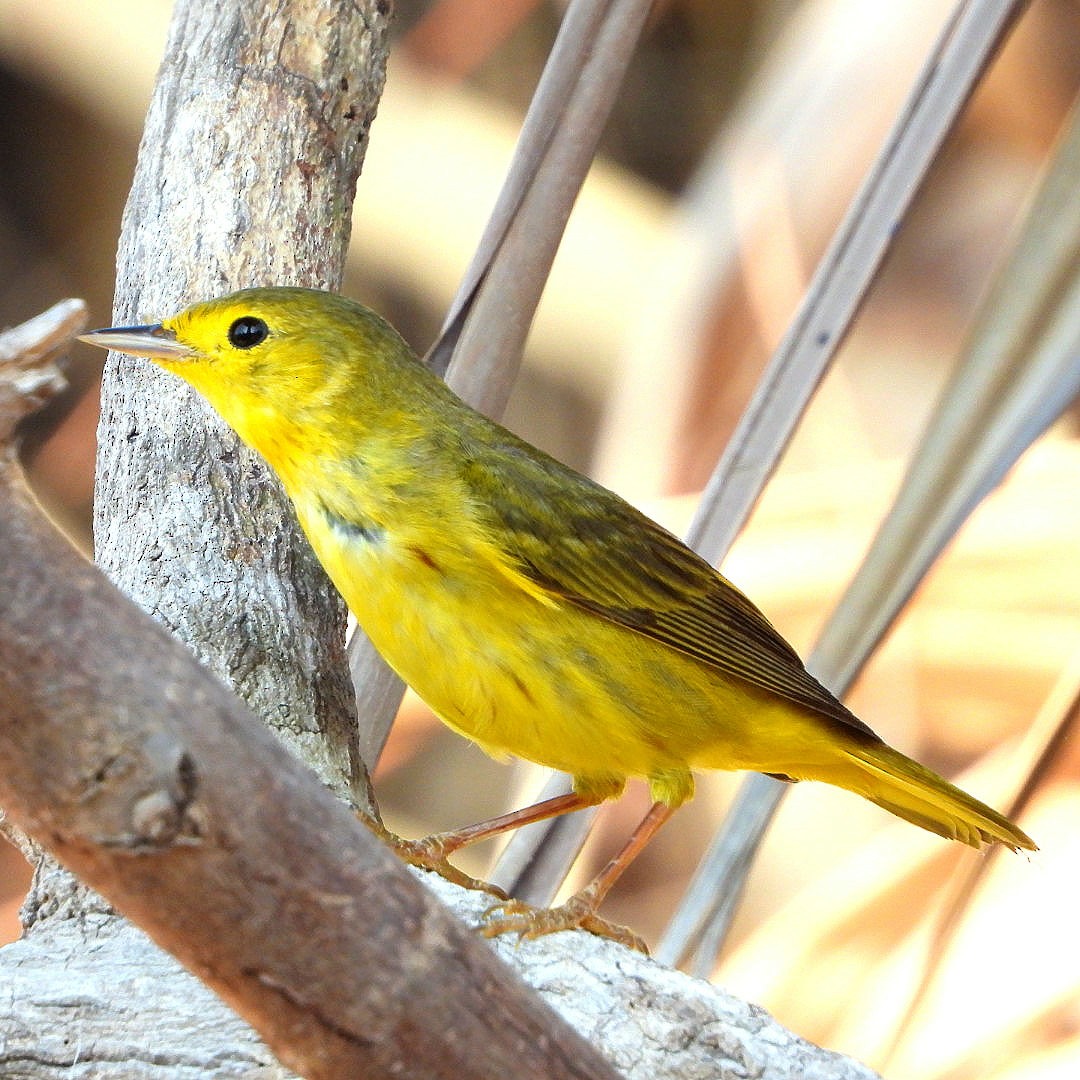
{"points": [[518, 673]]}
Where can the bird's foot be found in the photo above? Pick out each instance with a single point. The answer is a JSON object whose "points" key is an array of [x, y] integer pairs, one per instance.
{"points": [[578, 913], [430, 853]]}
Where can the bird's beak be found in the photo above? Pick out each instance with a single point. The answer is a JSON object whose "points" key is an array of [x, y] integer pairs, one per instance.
{"points": [[153, 341]]}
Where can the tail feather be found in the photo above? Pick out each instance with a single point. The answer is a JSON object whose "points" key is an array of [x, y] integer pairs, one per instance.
{"points": [[917, 794]]}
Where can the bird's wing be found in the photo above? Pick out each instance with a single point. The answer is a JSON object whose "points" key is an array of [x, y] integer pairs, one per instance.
{"points": [[582, 544]]}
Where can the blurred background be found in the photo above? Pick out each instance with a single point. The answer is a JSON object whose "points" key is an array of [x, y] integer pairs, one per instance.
{"points": [[742, 132]]}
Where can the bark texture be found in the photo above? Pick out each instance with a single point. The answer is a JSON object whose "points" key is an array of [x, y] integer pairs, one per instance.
{"points": [[650, 1022], [246, 174]]}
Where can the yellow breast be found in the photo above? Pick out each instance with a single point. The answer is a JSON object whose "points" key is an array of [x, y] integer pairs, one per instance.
{"points": [[520, 673]]}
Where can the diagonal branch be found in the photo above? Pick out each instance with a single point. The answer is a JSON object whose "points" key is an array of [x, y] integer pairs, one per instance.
{"points": [[963, 53]]}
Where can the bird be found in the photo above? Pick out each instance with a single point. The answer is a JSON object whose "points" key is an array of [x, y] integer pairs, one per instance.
{"points": [[536, 612]]}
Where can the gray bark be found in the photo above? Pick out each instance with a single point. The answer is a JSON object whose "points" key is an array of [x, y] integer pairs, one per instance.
{"points": [[246, 173], [650, 1022]]}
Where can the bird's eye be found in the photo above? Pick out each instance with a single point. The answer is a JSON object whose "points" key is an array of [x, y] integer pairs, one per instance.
{"points": [[247, 332]]}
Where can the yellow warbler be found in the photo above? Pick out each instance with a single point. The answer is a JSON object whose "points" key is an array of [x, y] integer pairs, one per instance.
{"points": [[536, 612]]}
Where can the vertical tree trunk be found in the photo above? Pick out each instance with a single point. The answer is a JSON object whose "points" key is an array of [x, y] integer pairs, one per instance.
{"points": [[246, 174]]}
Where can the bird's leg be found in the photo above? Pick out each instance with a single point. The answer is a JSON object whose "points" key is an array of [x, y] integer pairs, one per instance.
{"points": [[513, 916], [433, 852]]}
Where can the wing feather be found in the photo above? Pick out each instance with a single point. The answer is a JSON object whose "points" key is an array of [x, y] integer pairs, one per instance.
{"points": [[586, 546]]}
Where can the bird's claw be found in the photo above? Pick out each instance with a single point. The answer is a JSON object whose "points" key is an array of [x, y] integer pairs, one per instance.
{"points": [[578, 913], [430, 853]]}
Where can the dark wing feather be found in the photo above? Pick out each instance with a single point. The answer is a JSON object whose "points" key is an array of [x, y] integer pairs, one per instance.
{"points": [[582, 543]]}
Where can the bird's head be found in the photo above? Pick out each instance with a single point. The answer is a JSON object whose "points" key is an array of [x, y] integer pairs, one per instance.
{"points": [[270, 358]]}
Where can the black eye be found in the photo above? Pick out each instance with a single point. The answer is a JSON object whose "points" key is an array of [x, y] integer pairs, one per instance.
{"points": [[247, 332]]}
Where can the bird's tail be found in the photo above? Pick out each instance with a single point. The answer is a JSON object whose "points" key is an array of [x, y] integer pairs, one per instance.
{"points": [[919, 795]]}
